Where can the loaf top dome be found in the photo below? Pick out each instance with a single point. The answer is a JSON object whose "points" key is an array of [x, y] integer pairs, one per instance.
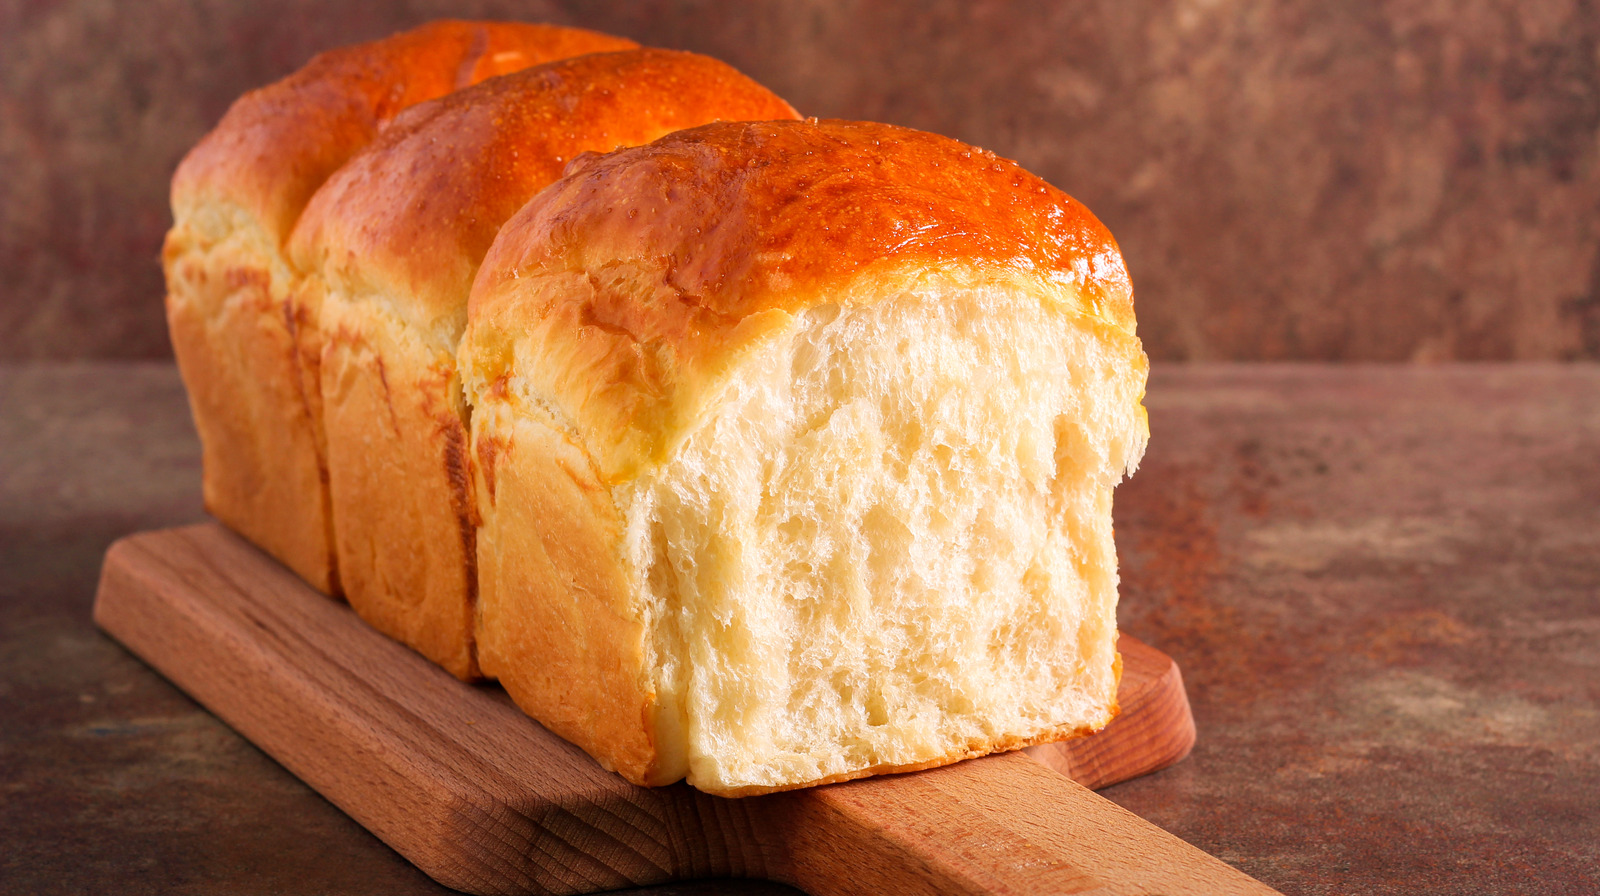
{"points": [[628, 289], [276, 145]]}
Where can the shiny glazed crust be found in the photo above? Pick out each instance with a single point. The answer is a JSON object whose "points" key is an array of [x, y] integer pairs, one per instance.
{"points": [[392, 242], [692, 248], [614, 308], [247, 340]]}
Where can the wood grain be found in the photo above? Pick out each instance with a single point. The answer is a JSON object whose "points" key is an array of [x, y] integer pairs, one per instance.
{"points": [[482, 799]]}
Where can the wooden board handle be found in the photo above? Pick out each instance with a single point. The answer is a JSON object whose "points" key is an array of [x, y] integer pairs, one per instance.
{"points": [[999, 825]]}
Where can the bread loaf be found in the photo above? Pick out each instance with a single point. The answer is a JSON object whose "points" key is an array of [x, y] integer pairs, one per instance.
{"points": [[794, 446], [247, 342], [390, 244]]}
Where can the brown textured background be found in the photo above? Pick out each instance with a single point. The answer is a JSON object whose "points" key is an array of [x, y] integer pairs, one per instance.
{"points": [[1390, 180]]}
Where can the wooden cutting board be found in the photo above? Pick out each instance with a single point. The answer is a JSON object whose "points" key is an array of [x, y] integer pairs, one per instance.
{"points": [[483, 799]]}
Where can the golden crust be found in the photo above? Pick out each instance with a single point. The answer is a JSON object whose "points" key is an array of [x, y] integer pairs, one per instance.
{"points": [[394, 237], [726, 245], [247, 339], [413, 214], [277, 145]]}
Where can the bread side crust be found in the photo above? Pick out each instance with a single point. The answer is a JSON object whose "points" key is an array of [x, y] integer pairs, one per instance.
{"points": [[236, 344], [401, 492], [558, 623]]}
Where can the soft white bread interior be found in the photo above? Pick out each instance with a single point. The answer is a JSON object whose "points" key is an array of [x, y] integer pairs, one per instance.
{"points": [[391, 243], [247, 338], [795, 445]]}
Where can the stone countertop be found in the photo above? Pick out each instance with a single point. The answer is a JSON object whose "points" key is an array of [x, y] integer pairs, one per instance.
{"points": [[1382, 585]]}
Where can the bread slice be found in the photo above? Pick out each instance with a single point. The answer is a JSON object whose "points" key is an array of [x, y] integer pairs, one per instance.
{"points": [[247, 341], [795, 446], [391, 242]]}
